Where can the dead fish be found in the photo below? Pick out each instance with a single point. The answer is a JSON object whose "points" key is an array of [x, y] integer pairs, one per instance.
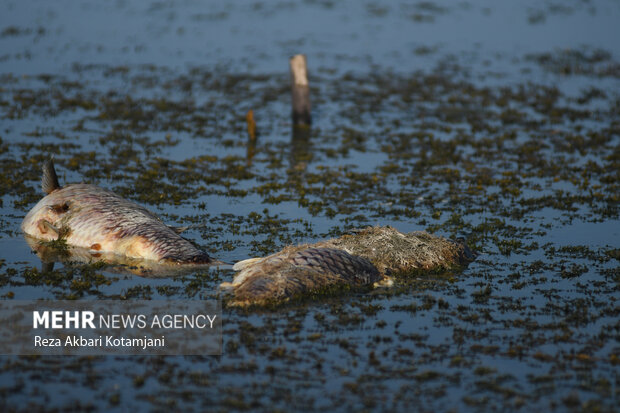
{"points": [[393, 252], [295, 271], [94, 218], [367, 257]]}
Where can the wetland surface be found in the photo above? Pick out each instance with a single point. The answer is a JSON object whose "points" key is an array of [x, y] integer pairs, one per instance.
{"points": [[499, 123]]}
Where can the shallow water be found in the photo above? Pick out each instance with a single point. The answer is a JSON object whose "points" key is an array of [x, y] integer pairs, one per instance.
{"points": [[496, 122]]}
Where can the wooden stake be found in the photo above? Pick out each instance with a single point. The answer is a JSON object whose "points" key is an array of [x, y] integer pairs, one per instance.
{"points": [[300, 90], [249, 118]]}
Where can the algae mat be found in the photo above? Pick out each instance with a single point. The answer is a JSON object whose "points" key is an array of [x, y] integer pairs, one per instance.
{"points": [[496, 123]]}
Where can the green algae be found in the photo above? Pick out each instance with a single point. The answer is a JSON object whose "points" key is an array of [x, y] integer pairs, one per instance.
{"points": [[503, 166]]}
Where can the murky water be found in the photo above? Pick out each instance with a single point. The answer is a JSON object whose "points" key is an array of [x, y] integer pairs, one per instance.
{"points": [[496, 122]]}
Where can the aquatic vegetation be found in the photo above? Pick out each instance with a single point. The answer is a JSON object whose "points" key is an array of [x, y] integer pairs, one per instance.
{"points": [[510, 144]]}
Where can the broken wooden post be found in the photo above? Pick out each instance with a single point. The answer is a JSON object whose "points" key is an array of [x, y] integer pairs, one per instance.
{"points": [[249, 118], [300, 90]]}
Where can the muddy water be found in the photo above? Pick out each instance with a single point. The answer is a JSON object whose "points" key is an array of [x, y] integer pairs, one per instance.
{"points": [[498, 123]]}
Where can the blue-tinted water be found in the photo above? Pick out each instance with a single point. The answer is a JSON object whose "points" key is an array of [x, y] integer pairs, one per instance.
{"points": [[500, 142]]}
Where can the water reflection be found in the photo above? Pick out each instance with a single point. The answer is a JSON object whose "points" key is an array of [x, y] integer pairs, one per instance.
{"points": [[301, 147], [50, 254], [252, 137]]}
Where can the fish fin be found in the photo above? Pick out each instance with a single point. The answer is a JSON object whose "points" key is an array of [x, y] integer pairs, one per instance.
{"points": [[221, 264], [45, 226], [241, 265], [226, 286], [49, 182], [179, 230], [386, 282]]}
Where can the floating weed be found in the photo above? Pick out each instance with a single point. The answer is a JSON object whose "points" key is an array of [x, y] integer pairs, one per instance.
{"points": [[502, 165]]}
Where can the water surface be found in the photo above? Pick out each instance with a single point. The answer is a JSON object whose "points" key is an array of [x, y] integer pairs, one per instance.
{"points": [[496, 122]]}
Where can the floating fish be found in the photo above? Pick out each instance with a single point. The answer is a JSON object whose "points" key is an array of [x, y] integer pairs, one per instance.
{"points": [[365, 258], [89, 217], [295, 271]]}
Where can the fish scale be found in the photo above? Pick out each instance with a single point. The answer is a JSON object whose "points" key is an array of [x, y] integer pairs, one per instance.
{"points": [[290, 273], [336, 261]]}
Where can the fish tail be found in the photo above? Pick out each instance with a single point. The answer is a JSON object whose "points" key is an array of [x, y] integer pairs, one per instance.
{"points": [[241, 265]]}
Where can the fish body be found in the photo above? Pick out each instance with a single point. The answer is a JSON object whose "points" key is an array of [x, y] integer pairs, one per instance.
{"points": [[97, 219], [298, 270], [366, 257], [395, 252]]}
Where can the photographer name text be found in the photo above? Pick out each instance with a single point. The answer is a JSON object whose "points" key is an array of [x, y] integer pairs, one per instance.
{"points": [[101, 341]]}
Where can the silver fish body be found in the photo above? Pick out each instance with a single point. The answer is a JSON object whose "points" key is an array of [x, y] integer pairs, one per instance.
{"points": [[91, 217]]}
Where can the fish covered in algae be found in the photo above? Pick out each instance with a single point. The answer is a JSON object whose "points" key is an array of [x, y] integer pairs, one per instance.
{"points": [[365, 258], [91, 218]]}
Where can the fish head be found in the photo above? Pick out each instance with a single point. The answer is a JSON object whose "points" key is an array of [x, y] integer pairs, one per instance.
{"points": [[46, 220]]}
